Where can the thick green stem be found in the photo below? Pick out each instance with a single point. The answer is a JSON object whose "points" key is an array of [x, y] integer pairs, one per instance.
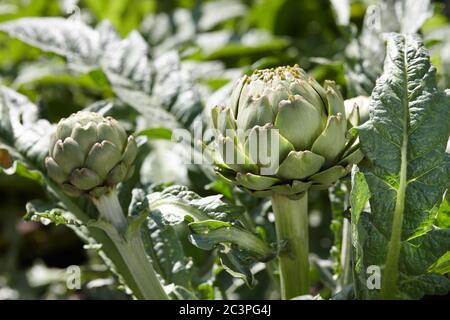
{"points": [[108, 206], [132, 250], [291, 222], [128, 243]]}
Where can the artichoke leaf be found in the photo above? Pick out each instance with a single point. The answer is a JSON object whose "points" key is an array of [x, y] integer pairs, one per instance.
{"points": [[102, 157], [117, 174], [234, 157], [236, 94], [353, 157], [105, 131], [84, 179], [223, 120], [304, 89], [68, 154], [332, 140], [255, 182], [55, 171], [300, 164], [85, 135], [257, 113], [330, 175], [267, 147], [291, 189], [130, 152], [299, 122], [335, 101]]}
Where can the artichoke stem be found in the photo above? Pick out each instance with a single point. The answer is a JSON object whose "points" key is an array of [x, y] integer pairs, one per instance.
{"points": [[108, 206], [130, 247], [138, 267], [291, 223], [132, 251]]}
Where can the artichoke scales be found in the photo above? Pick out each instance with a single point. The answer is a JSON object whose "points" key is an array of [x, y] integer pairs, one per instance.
{"points": [[306, 122], [90, 154]]}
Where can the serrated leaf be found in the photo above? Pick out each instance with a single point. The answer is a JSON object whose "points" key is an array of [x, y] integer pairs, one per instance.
{"points": [[69, 38], [176, 202], [126, 63], [212, 224], [407, 172], [160, 90], [22, 133], [175, 265]]}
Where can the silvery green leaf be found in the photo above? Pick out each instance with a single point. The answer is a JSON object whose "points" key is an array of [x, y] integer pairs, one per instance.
{"points": [[177, 202], [212, 224], [69, 38], [406, 173], [22, 133], [172, 99], [175, 90], [126, 63]]}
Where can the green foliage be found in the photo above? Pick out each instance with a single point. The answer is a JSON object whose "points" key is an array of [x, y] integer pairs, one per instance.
{"points": [[365, 53], [157, 66], [407, 171], [212, 224]]}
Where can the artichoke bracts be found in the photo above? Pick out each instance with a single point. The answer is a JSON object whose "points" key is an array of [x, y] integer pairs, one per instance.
{"points": [[313, 147], [90, 154]]}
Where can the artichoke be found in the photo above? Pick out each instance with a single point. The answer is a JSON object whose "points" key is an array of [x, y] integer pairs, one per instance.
{"points": [[90, 154], [314, 146]]}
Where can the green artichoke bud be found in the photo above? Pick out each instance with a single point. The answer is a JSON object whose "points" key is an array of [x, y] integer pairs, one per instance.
{"points": [[90, 154], [314, 147]]}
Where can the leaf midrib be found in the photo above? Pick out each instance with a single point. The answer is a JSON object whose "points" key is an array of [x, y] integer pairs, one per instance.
{"points": [[391, 272]]}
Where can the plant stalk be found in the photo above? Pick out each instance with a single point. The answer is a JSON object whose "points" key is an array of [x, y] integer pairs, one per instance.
{"points": [[108, 206], [133, 252], [291, 223], [130, 247]]}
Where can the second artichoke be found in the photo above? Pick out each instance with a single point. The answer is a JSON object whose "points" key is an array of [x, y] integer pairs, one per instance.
{"points": [[90, 154]]}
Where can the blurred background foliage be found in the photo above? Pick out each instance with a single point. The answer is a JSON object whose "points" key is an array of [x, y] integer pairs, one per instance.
{"points": [[217, 41]]}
